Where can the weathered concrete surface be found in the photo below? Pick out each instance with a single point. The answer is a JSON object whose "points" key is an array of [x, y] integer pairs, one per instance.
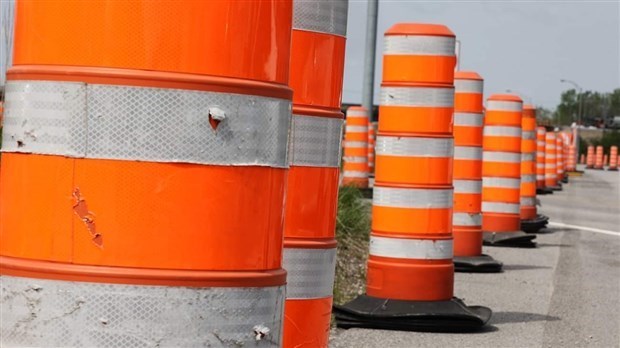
{"points": [[565, 293]]}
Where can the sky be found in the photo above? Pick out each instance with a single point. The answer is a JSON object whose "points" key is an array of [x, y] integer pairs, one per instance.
{"points": [[523, 46]]}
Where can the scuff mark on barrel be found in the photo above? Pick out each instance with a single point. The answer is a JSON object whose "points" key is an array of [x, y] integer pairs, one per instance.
{"points": [[80, 208]]}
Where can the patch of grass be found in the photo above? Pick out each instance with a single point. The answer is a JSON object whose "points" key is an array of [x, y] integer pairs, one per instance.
{"points": [[352, 233]]}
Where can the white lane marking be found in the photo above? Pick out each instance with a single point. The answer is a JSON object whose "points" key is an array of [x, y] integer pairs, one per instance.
{"points": [[589, 229]]}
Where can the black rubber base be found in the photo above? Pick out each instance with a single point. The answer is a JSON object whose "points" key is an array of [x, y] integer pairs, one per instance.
{"points": [[565, 179], [518, 239], [534, 225], [477, 264], [544, 191], [612, 169], [432, 316], [555, 188]]}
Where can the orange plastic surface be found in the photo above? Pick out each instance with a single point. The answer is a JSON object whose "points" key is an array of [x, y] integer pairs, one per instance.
{"points": [[467, 240], [413, 170], [307, 322], [495, 222], [424, 223], [225, 38], [408, 119], [419, 68]]}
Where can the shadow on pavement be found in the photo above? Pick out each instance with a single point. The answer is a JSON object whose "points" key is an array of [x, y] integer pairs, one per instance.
{"points": [[523, 267], [519, 317]]}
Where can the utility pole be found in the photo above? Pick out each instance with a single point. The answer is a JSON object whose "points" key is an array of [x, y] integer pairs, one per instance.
{"points": [[580, 101], [369, 56]]}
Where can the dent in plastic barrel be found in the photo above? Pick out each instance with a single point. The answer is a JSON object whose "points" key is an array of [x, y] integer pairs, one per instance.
{"points": [[501, 164], [144, 173], [317, 65]]}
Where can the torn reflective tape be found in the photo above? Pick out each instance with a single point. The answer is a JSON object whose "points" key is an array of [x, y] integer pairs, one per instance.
{"points": [[417, 96], [82, 120], [414, 146], [466, 219]]}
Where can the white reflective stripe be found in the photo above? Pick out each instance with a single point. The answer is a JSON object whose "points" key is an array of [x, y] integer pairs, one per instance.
{"points": [[468, 119], [468, 86], [145, 124], [528, 157], [466, 219], [540, 165], [417, 96], [528, 135], [498, 207], [356, 144], [419, 45], [502, 157], [328, 17], [315, 141], [528, 178], [508, 183], [356, 129], [354, 174], [541, 143], [418, 249], [528, 201], [540, 177], [468, 153], [355, 159], [550, 147], [549, 136], [467, 186], [502, 131], [551, 175], [504, 105], [85, 314], [356, 113], [412, 198], [414, 147], [310, 272], [549, 156], [541, 131]]}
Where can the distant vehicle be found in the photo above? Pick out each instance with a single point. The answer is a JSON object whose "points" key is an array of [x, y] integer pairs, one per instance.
{"points": [[615, 122]]}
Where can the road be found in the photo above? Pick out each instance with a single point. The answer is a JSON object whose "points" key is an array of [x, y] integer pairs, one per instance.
{"points": [[565, 293]]}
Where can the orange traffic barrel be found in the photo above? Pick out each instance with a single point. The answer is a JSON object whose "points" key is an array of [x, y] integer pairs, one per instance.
{"points": [[613, 158], [582, 159], [355, 159], [551, 175], [467, 175], [559, 156], [372, 130], [411, 246], [540, 157], [598, 161], [531, 221], [421, 53], [571, 166], [528, 163], [501, 172], [590, 157], [154, 160], [317, 66]]}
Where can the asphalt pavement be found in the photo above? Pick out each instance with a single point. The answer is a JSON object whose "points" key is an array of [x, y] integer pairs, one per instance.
{"points": [[564, 293]]}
